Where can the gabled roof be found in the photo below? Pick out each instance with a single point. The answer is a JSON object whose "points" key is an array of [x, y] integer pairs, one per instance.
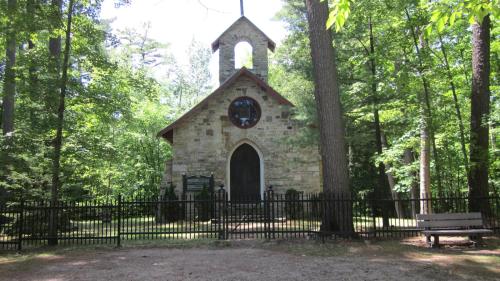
{"points": [[167, 132], [270, 43]]}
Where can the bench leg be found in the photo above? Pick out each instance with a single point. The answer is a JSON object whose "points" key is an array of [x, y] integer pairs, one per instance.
{"points": [[435, 243], [477, 240], [428, 240]]}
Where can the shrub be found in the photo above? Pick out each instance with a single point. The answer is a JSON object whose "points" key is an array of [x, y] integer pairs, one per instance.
{"points": [[293, 207], [204, 204], [170, 210]]}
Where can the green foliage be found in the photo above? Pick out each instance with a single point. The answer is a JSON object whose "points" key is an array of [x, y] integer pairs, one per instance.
{"points": [[204, 204], [339, 13], [398, 87], [116, 104], [190, 83], [445, 12], [124, 87]]}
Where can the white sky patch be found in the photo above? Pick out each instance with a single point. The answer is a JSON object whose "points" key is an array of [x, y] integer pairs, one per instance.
{"points": [[177, 22]]}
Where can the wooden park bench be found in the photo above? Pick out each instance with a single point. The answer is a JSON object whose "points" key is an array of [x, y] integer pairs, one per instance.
{"points": [[452, 224]]}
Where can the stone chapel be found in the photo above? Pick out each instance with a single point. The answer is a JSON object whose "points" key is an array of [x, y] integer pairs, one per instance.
{"points": [[239, 132]]}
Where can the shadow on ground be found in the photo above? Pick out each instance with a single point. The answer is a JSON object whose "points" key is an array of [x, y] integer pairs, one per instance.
{"points": [[407, 259]]}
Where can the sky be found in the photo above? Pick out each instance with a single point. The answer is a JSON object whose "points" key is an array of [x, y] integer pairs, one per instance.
{"points": [[178, 22]]}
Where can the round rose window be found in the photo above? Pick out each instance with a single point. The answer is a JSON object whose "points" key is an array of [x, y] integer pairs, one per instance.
{"points": [[244, 112]]}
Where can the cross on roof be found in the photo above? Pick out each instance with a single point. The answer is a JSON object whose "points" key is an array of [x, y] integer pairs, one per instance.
{"points": [[241, 8]]}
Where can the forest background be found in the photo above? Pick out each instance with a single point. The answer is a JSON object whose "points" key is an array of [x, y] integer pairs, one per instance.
{"points": [[82, 104]]}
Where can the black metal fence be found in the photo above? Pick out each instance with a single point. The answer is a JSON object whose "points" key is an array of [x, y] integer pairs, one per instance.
{"points": [[214, 216]]}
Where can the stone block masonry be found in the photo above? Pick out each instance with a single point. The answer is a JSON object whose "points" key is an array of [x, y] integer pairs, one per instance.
{"points": [[203, 143]]}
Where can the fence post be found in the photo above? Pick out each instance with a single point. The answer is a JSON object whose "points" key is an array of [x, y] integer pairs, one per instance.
{"points": [[270, 212], [266, 215], [222, 208], [374, 216], [119, 223], [21, 224]]}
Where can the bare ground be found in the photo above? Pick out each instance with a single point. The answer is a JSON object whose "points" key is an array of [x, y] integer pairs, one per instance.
{"points": [[258, 260]]}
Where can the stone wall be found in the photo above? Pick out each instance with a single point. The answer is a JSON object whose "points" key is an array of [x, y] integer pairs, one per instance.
{"points": [[242, 31], [203, 143]]}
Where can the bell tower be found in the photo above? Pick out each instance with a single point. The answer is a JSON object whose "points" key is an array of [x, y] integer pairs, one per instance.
{"points": [[243, 30]]}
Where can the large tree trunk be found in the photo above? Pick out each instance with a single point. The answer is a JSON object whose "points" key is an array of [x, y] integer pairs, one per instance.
{"points": [[54, 67], [9, 88], [331, 125], [480, 110]]}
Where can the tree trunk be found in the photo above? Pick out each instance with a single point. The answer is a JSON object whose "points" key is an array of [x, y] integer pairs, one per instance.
{"points": [[480, 110], [428, 112], [383, 191], [457, 108], [9, 89], [56, 181], [464, 67], [425, 124], [56, 16], [408, 160], [398, 207], [33, 86], [9, 95], [425, 174], [54, 64], [54, 67], [331, 125]]}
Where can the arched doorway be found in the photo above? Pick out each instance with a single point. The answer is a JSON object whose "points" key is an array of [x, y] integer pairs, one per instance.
{"points": [[245, 174]]}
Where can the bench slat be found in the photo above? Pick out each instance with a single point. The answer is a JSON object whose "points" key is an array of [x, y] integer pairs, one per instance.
{"points": [[457, 232], [450, 223], [449, 216]]}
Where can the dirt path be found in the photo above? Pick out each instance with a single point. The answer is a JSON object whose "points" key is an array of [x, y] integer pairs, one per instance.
{"points": [[243, 262]]}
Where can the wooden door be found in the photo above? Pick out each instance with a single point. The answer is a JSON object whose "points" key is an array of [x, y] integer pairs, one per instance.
{"points": [[245, 174]]}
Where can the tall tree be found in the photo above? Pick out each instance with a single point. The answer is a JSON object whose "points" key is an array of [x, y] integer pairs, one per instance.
{"points": [[56, 168], [478, 13], [192, 82], [480, 110], [9, 89], [458, 113], [383, 190], [330, 117], [56, 182], [54, 68], [32, 7], [425, 125]]}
